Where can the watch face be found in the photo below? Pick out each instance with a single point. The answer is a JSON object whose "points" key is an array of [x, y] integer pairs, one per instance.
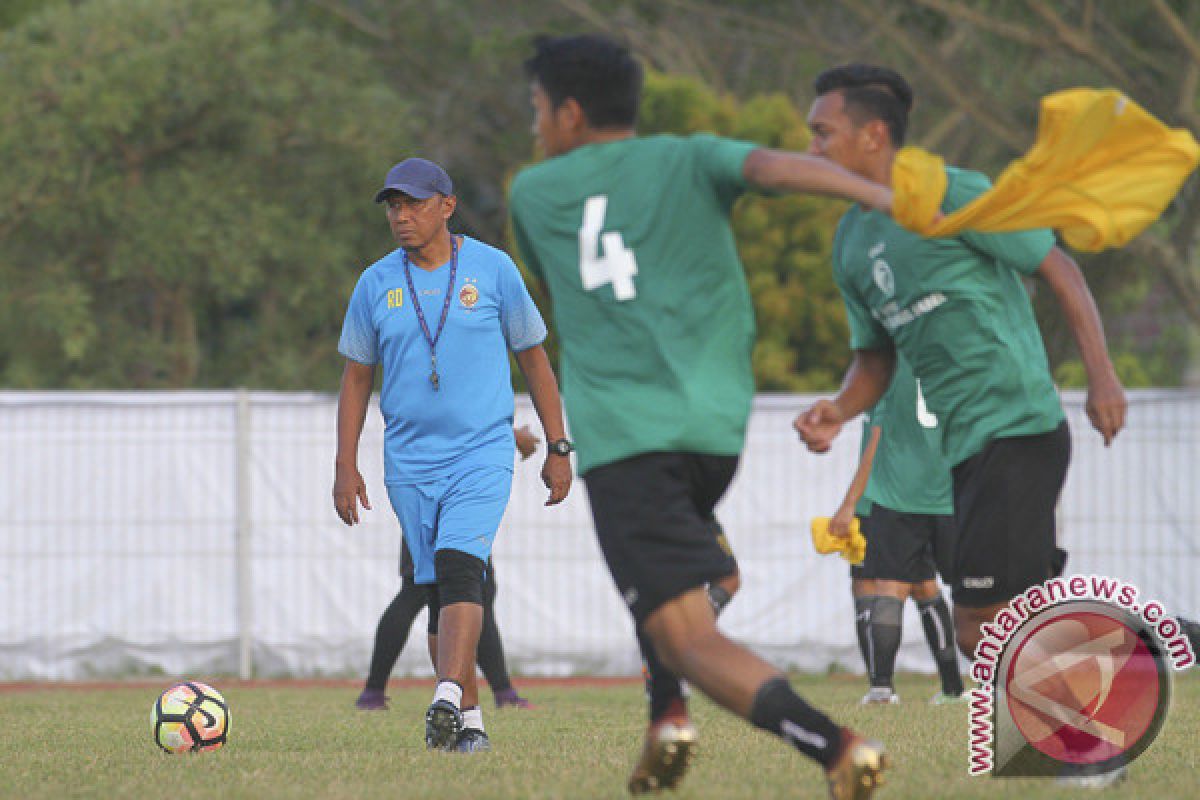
{"points": [[562, 447]]}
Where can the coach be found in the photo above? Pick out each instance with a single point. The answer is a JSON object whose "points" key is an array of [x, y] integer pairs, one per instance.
{"points": [[440, 313]]}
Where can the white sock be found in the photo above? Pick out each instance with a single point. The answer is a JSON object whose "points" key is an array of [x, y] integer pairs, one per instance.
{"points": [[473, 718], [449, 691]]}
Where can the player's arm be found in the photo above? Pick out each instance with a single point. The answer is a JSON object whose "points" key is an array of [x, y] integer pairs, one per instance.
{"points": [[543, 388], [353, 399], [839, 524], [866, 380], [1106, 403], [782, 171]]}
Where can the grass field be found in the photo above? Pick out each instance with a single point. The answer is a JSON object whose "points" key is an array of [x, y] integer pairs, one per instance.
{"points": [[580, 741]]}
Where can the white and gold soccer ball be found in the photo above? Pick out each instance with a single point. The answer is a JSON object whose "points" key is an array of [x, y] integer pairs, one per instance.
{"points": [[190, 717]]}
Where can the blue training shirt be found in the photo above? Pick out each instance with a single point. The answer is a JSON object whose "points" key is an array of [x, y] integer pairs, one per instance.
{"points": [[468, 421]]}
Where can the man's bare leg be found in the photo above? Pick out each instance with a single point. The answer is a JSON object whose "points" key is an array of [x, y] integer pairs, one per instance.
{"points": [[684, 633], [458, 689]]}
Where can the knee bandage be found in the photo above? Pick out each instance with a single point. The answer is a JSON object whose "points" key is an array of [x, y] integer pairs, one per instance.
{"points": [[459, 577], [434, 604]]}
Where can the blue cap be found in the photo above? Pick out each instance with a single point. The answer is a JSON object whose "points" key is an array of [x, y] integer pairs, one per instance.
{"points": [[416, 177]]}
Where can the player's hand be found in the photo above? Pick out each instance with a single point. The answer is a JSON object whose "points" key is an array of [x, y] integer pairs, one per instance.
{"points": [[556, 474], [819, 425], [1106, 406], [348, 489], [527, 442], [839, 523]]}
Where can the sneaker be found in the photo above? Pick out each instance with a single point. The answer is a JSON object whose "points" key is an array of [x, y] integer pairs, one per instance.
{"points": [[943, 699], [371, 700], [669, 747], [443, 724], [880, 696], [510, 699], [859, 770], [472, 740]]}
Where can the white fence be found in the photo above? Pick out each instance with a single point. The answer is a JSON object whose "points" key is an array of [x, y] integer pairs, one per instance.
{"points": [[193, 533]]}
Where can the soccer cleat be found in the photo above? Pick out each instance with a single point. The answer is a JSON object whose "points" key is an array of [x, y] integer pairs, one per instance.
{"points": [[371, 700], [472, 740], [880, 696], [858, 772], [943, 699], [443, 724], [668, 749]]}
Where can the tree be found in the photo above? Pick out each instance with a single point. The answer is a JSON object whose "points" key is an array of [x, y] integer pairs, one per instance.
{"points": [[186, 197]]}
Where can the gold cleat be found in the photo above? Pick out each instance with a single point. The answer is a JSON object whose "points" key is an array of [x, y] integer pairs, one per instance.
{"points": [[669, 748], [859, 772]]}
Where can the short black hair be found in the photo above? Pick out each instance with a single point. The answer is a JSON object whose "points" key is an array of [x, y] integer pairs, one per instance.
{"points": [[600, 73], [871, 92]]}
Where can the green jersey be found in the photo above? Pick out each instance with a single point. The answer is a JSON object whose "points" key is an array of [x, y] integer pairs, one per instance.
{"points": [[909, 473], [633, 240], [956, 309]]}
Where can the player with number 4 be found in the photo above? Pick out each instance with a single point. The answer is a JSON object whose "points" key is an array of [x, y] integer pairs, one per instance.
{"points": [[631, 236]]}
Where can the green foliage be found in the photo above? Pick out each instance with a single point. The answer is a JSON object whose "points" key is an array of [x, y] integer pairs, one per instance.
{"points": [[784, 242], [185, 192], [186, 198], [1137, 370], [13, 11]]}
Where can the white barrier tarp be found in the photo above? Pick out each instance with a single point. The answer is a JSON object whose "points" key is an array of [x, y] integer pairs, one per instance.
{"points": [[119, 554]]}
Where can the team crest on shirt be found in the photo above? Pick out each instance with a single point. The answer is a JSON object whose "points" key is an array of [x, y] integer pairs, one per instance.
{"points": [[468, 295], [881, 271]]}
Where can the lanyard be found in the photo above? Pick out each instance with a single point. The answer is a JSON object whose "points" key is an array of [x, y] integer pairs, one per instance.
{"points": [[416, 301]]}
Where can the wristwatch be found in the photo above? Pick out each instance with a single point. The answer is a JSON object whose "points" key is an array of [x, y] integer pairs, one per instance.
{"points": [[561, 447]]}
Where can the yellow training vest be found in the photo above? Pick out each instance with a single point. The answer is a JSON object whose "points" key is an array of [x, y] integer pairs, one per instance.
{"points": [[1101, 170]]}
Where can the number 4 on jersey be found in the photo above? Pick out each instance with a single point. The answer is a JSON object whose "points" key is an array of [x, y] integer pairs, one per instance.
{"points": [[604, 258]]}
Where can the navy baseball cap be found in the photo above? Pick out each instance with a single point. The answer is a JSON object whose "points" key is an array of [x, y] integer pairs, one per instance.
{"points": [[416, 177]]}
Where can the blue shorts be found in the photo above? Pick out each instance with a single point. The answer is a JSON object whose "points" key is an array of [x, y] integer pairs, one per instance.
{"points": [[459, 512]]}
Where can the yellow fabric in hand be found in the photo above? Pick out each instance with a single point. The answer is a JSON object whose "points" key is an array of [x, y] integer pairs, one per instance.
{"points": [[853, 548], [1100, 172]]}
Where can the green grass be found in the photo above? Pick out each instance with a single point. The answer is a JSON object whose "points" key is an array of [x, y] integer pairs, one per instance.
{"points": [[579, 743]]}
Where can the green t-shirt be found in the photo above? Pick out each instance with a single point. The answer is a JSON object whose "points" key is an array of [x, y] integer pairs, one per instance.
{"points": [[909, 473], [633, 240], [955, 308]]}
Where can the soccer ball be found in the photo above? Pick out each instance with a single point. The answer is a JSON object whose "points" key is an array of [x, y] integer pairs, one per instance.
{"points": [[190, 717]]}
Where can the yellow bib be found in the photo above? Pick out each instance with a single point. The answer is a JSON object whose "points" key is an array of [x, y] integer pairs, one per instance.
{"points": [[1101, 170]]}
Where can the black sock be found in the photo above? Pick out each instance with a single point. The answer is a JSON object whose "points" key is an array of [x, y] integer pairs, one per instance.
{"points": [[490, 652], [719, 596], [662, 686], [939, 632], [883, 634], [862, 619], [392, 632], [781, 711]]}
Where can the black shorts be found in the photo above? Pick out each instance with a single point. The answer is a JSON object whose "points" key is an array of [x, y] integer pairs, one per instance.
{"points": [[654, 521], [905, 547], [1004, 502]]}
